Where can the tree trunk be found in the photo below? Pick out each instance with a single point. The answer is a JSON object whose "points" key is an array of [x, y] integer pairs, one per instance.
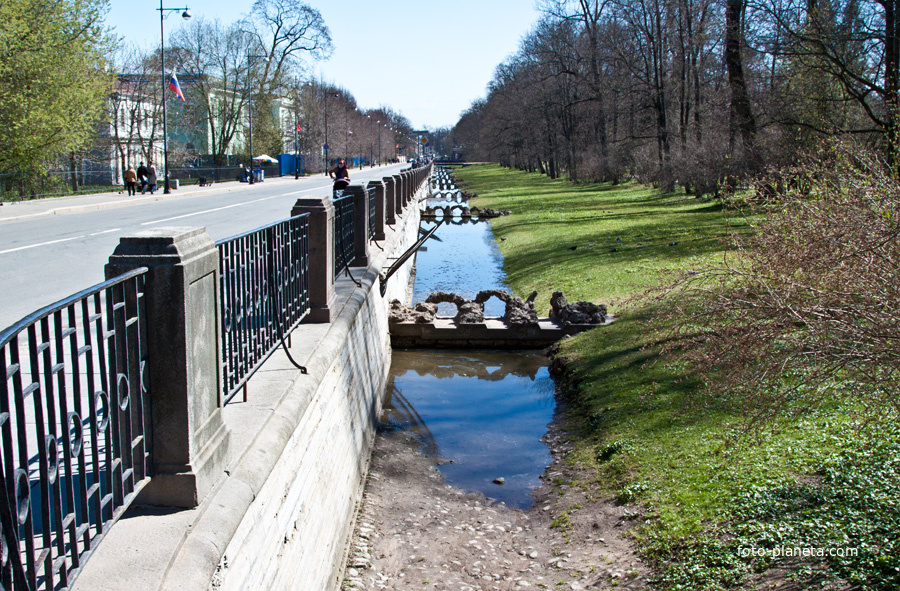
{"points": [[741, 120], [73, 172], [891, 62]]}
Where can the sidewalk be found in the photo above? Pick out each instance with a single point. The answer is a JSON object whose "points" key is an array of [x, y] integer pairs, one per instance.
{"points": [[34, 208]]}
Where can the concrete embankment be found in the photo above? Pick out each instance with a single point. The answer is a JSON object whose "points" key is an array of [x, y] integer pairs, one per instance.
{"points": [[281, 516]]}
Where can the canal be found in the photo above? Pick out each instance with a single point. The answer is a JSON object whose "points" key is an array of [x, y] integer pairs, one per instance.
{"points": [[480, 415]]}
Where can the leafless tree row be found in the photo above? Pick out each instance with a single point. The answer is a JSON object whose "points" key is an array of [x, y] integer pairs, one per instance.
{"points": [[263, 60], [688, 92]]}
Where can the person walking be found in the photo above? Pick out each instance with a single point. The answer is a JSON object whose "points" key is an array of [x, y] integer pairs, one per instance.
{"points": [[151, 177], [142, 177], [130, 177]]}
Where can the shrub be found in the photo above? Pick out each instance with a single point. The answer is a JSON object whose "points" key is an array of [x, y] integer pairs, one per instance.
{"points": [[809, 308]]}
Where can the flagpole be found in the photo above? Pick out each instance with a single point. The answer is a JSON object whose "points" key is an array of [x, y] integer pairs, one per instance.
{"points": [[162, 68]]}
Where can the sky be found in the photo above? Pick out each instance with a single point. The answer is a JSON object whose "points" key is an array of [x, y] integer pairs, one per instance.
{"points": [[443, 57]]}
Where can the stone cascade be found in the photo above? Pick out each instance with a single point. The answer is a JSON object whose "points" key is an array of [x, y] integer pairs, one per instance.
{"points": [[449, 202], [448, 212], [444, 186], [518, 328]]}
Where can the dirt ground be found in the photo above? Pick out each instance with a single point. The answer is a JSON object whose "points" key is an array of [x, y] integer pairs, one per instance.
{"points": [[414, 531]]}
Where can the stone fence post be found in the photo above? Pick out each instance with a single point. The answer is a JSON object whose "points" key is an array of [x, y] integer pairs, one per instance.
{"points": [[189, 440], [390, 200], [380, 209], [321, 256], [398, 193], [360, 225], [407, 187]]}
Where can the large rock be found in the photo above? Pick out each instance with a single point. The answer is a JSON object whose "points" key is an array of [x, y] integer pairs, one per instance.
{"points": [[577, 313], [517, 311], [425, 313], [468, 312], [422, 313]]}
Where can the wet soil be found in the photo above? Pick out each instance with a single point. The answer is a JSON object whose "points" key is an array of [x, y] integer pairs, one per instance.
{"points": [[414, 531]]}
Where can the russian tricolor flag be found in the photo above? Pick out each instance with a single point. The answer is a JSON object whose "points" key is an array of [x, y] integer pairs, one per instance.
{"points": [[175, 87]]}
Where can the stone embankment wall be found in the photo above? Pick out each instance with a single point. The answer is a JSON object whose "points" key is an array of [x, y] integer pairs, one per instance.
{"points": [[293, 535]]}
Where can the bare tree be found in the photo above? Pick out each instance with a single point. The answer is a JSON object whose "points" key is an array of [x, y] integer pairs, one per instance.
{"points": [[132, 106], [215, 57], [286, 33]]}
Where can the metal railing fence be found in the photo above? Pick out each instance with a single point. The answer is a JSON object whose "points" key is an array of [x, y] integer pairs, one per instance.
{"points": [[74, 441], [344, 233], [370, 199], [265, 294]]}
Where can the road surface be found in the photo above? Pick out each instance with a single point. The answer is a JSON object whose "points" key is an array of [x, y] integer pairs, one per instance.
{"points": [[46, 258]]}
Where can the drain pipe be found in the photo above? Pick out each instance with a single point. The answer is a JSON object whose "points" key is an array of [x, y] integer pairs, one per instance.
{"points": [[405, 257]]}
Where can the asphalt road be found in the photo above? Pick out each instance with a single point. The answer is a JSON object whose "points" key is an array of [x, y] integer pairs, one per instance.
{"points": [[49, 257]]}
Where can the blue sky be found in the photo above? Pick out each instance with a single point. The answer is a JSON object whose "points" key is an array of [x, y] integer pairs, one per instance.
{"points": [[444, 52]]}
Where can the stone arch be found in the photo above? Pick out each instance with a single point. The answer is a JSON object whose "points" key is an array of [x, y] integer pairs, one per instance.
{"points": [[517, 311], [467, 311], [463, 211]]}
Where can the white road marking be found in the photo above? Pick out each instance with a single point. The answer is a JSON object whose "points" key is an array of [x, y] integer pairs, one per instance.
{"points": [[305, 191], [9, 250], [106, 232], [187, 215]]}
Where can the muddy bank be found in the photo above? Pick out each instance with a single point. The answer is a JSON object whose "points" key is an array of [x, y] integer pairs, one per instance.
{"points": [[416, 532]]}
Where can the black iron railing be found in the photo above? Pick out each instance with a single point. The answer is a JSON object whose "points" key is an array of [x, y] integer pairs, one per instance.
{"points": [[265, 294], [344, 235], [370, 198], [73, 429]]}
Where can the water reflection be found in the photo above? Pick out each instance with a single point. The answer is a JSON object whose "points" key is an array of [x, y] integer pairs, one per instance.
{"points": [[484, 411]]}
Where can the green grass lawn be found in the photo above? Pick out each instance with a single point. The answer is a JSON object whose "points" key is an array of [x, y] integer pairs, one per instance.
{"points": [[648, 433], [623, 235]]}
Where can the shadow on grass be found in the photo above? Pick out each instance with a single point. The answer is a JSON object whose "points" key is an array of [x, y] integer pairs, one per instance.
{"points": [[627, 386], [653, 242]]}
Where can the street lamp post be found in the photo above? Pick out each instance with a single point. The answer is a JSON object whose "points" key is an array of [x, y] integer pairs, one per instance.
{"points": [[347, 148], [250, 106], [379, 141], [296, 144], [186, 14], [325, 147]]}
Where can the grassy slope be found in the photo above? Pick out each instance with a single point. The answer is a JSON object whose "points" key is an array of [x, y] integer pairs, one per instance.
{"points": [[647, 436]]}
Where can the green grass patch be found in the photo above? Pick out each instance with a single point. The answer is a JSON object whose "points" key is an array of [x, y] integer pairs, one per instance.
{"points": [[648, 433], [623, 236]]}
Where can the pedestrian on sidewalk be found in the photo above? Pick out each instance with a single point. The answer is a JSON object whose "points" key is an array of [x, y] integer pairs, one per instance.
{"points": [[130, 177], [151, 177], [142, 176]]}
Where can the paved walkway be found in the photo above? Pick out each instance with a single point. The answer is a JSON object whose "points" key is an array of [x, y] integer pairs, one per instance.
{"points": [[32, 208]]}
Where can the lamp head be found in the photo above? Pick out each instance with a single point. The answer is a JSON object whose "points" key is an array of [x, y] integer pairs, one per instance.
{"points": [[186, 15]]}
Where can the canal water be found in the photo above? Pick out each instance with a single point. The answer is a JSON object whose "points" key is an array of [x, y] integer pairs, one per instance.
{"points": [[480, 414], [464, 259]]}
